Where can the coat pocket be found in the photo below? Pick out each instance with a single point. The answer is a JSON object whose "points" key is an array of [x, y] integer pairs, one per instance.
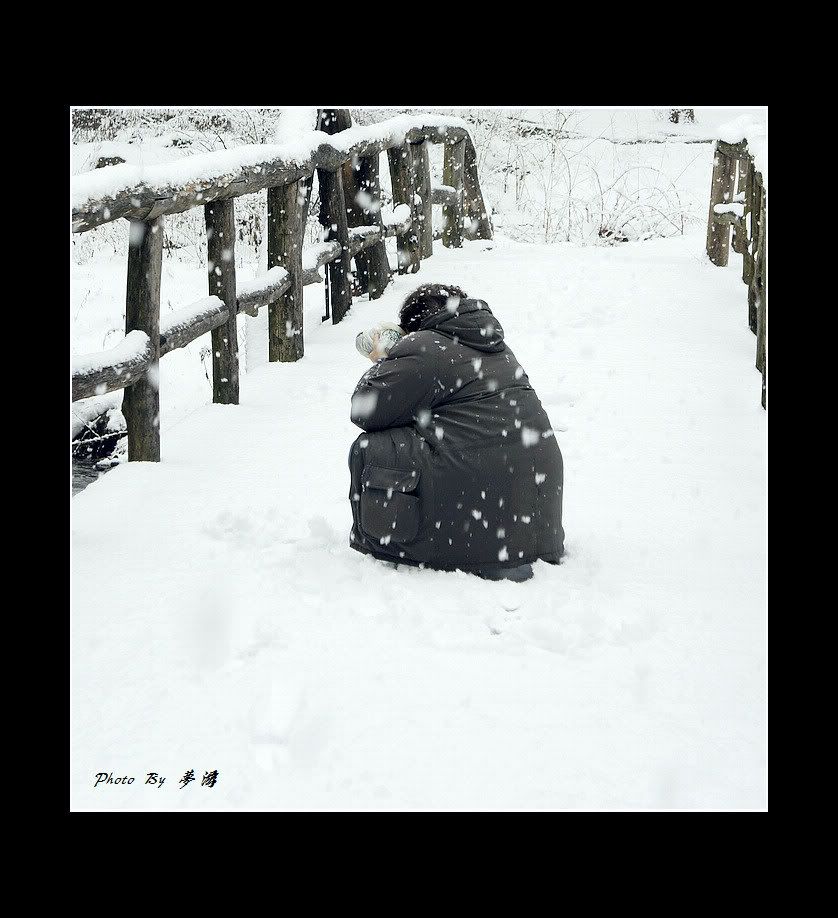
{"points": [[389, 504]]}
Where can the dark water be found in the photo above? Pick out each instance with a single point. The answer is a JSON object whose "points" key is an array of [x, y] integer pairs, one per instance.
{"points": [[83, 475]]}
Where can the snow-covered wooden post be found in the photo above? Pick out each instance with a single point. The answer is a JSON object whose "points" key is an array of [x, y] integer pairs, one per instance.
{"points": [[452, 171], [286, 206], [759, 281], [421, 163], [739, 242], [141, 403], [221, 271], [333, 218], [373, 268], [401, 178], [750, 219], [360, 176], [721, 192], [479, 225]]}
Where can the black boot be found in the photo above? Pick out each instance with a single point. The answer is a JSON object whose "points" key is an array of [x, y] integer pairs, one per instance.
{"points": [[515, 574]]}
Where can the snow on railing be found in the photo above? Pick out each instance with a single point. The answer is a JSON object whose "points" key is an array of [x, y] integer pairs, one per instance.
{"points": [[734, 208], [85, 412], [183, 325], [96, 374], [146, 192], [253, 295], [398, 216], [346, 160]]}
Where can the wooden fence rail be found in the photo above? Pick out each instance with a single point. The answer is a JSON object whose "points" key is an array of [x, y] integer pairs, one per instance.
{"points": [[738, 201], [346, 160]]}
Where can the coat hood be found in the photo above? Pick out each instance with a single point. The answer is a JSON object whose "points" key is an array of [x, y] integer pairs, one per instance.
{"points": [[472, 323]]}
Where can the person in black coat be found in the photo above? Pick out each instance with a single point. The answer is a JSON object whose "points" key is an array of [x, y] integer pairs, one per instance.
{"points": [[458, 466]]}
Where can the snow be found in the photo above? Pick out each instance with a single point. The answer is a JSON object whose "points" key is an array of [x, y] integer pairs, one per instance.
{"points": [[293, 121], [743, 127], [361, 232], [132, 347], [149, 151], [86, 410], [732, 207], [222, 166], [235, 629], [395, 216], [115, 420], [753, 129], [760, 153], [272, 278], [187, 315], [529, 437], [314, 255], [392, 130]]}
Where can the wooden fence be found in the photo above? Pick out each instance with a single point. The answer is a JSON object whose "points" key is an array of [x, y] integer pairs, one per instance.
{"points": [[355, 227], [738, 200]]}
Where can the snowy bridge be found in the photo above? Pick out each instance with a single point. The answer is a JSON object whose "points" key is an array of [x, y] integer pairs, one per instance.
{"points": [[347, 165], [221, 621]]}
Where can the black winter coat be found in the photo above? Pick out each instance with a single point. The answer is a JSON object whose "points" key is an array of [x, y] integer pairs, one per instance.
{"points": [[458, 466]]}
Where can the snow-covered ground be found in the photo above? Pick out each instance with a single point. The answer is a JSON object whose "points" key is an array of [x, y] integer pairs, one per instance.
{"points": [[220, 620]]}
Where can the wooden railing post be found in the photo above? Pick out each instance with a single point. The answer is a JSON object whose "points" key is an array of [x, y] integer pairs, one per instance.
{"points": [[759, 279], [453, 164], [480, 226], [401, 178], [739, 242], [721, 192], [141, 402], [422, 186], [286, 206], [750, 219], [333, 218], [373, 268], [221, 271], [354, 217]]}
